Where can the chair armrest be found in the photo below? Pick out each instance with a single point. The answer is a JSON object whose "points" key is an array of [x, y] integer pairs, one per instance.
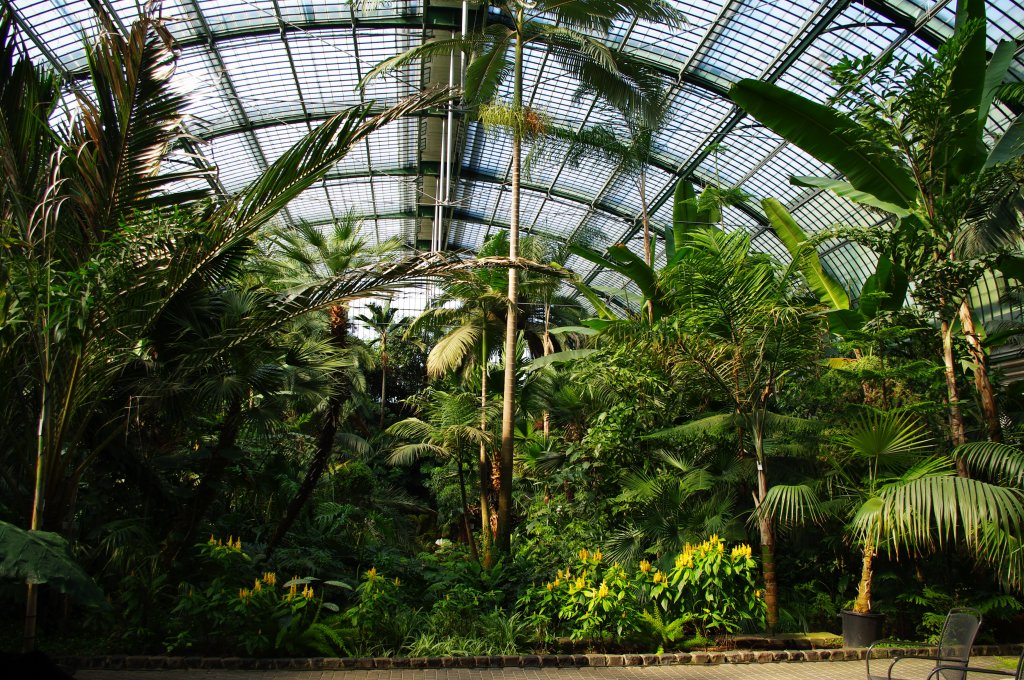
{"points": [[972, 669], [925, 657], [871, 649]]}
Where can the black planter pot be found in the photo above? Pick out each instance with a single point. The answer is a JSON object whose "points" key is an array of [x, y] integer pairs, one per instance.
{"points": [[860, 630]]}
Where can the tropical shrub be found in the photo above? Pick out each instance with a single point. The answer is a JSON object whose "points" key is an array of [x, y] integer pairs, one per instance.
{"points": [[712, 590], [707, 592], [266, 619]]}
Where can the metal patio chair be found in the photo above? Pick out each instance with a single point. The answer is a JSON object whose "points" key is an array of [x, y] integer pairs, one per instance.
{"points": [[1016, 675], [958, 632]]}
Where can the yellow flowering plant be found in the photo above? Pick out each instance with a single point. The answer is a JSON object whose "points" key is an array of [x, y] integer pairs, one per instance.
{"points": [[231, 608], [712, 587], [590, 601]]}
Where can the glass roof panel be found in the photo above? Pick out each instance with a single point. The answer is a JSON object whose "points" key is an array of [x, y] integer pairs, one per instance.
{"points": [[260, 72], [751, 36]]}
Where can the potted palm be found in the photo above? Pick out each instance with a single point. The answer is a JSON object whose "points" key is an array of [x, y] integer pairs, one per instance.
{"points": [[898, 494], [910, 498], [883, 449]]}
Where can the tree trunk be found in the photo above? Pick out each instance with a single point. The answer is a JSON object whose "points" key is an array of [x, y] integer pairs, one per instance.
{"points": [[982, 380], [863, 602], [767, 532], [648, 250], [383, 377], [503, 541], [325, 437], [324, 448], [484, 465], [465, 509], [548, 349], [209, 485], [956, 418]]}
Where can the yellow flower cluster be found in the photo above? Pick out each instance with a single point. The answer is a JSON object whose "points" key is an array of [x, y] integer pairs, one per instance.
{"points": [[244, 594], [307, 592], [602, 592], [585, 554], [645, 566], [685, 558], [270, 578], [660, 577], [232, 542], [741, 551], [371, 575]]}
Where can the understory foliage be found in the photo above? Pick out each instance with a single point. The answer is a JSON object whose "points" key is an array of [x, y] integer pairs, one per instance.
{"points": [[722, 443]]}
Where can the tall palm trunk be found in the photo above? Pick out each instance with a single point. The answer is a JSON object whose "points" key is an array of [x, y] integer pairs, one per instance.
{"points": [[956, 417], [383, 374], [324, 440], [548, 350], [767, 531], [503, 541], [484, 464], [465, 507], [982, 380], [648, 250]]}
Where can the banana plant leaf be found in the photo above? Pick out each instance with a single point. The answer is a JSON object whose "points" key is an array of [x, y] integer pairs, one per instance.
{"points": [[841, 322], [828, 290], [43, 557], [684, 217], [558, 358], [831, 137], [885, 290], [844, 189]]}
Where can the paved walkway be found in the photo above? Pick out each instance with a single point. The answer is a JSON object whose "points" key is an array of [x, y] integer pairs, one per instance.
{"points": [[917, 669]]}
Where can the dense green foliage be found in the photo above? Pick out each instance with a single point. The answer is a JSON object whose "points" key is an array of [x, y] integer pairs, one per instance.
{"points": [[733, 445]]}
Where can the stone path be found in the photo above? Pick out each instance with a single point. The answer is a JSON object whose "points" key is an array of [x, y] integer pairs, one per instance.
{"points": [[915, 669]]}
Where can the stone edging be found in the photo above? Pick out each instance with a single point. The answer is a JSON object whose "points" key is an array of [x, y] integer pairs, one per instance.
{"points": [[121, 662]]}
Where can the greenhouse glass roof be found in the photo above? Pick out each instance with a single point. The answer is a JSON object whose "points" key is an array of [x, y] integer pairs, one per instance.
{"points": [[263, 72]]}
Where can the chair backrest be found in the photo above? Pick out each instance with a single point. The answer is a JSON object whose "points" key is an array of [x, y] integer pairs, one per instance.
{"points": [[956, 639]]}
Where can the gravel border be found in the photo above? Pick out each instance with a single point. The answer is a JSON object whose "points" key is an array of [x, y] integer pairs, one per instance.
{"points": [[123, 662]]}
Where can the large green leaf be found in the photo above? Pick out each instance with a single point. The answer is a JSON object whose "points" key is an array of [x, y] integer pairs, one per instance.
{"points": [[844, 189], [43, 557], [995, 73], [684, 215], [885, 290], [842, 322], [831, 137], [1009, 146], [1011, 266], [821, 283], [558, 358], [963, 149], [792, 505]]}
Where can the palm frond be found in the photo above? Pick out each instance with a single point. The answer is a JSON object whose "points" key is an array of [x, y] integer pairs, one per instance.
{"points": [[792, 505], [999, 462]]}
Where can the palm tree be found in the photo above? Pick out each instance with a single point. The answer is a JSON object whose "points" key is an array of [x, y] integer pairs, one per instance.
{"points": [[571, 31], [736, 320], [447, 430], [305, 255], [382, 321], [471, 309], [918, 151], [91, 265], [899, 495]]}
